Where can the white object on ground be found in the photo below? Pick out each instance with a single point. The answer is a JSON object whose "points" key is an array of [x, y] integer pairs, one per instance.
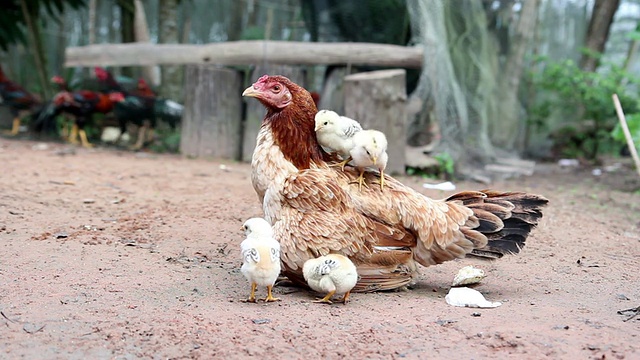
{"points": [[445, 186], [468, 275], [466, 297]]}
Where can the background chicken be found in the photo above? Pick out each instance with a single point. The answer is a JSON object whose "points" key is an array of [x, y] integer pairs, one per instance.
{"points": [[316, 209], [369, 149], [260, 257], [140, 107], [20, 102], [336, 133], [333, 274]]}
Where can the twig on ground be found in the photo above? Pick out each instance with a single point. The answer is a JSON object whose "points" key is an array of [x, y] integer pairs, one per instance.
{"points": [[627, 134]]}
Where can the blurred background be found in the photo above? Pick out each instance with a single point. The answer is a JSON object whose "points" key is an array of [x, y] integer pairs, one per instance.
{"points": [[499, 78]]}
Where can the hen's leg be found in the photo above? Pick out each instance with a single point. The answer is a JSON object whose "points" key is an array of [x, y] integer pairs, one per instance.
{"points": [[142, 130], [252, 297], [270, 297], [84, 139], [73, 136], [345, 298], [326, 299], [15, 127]]}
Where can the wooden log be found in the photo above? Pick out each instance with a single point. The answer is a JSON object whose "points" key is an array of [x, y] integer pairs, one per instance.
{"points": [[255, 110], [377, 99], [245, 53], [212, 113]]}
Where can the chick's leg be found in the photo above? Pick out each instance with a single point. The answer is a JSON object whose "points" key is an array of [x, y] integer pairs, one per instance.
{"points": [[326, 299], [345, 298], [381, 179], [270, 297], [360, 180], [342, 164], [252, 297]]}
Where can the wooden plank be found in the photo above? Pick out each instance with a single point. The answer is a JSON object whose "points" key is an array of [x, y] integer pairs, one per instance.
{"points": [[245, 53], [213, 112], [256, 111], [377, 99]]}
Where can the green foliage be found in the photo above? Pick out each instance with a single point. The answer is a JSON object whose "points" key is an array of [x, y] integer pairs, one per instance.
{"points": [[444, 170], [583, 100], [633, 122], [13, 24]]}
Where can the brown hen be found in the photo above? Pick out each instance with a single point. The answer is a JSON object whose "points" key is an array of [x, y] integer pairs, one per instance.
{"points": [[316, 209]]}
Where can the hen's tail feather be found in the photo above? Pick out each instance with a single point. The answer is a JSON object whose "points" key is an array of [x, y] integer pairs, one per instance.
{"points": [[517, 213]]}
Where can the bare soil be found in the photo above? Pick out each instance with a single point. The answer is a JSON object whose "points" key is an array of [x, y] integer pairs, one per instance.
{"points": [[108, 254]]}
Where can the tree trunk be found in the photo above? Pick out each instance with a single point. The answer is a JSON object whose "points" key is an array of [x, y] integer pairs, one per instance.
{"points": [[172, 75], [507, 126], [93, 5], [127, 19], [213, 112], [141, 31], [255, 110], [37, 48], [377, 99], [598, 32]]}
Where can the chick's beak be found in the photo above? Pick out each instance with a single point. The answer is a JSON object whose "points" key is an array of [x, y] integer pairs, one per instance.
{"points": [[374, 159], [318, 127], [251, 92]]}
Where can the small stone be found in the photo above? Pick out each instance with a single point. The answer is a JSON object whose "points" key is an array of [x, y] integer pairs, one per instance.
{"points": [[88, 201], [261, 321], [476, 314]]}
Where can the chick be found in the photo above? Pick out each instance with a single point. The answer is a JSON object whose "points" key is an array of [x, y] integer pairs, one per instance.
{"points": [[370, 149], [331, 274], [260, 257], [336, 133]]}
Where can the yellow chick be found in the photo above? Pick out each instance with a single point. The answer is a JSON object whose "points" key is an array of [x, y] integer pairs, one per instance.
{"points": [[331, 274], [260, 257], [370, 149], [336, 133]]}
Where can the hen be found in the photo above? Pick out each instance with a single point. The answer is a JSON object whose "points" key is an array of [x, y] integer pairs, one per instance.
{"points": [[369, 149], [316, 209], [260, 257], [20, 101], [336, 133], [333, 274]]}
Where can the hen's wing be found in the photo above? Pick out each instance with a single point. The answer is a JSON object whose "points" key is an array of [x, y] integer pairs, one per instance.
{"points": [[322, 212]]}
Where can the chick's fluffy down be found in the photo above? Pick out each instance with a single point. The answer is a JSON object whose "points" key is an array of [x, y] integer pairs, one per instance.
{"points": [[329, 273]]}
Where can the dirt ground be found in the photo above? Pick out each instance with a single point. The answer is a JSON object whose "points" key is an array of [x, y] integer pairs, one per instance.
{"points": [[109, 254]]}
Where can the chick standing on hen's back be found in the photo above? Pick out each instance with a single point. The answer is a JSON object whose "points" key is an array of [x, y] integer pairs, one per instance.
{"points": [[370, 149], [260, 257], [332, 274], [336, 133]]}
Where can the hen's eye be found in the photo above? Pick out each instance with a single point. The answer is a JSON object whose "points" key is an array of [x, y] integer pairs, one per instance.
{"points": [[276, 88]]}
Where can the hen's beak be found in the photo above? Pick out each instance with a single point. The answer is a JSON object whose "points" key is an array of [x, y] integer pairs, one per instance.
{"points": [[375, 159], [251, 92]]}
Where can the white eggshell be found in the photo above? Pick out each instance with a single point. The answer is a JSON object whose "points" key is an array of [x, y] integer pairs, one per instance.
{"points": [[466, 297], [468, 275]]}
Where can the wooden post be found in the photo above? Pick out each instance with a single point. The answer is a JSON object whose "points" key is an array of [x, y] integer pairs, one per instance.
{"points": [[256, 111], [377, 99], [213, 111]]}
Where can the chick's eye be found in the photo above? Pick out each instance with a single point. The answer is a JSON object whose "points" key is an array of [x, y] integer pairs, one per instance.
{"points": [[326, 122], [367, 152]]}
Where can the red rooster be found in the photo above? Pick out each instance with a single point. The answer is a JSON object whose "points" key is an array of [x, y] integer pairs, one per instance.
{"points": [[81, 105], [316, 209], [19, 101]]}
